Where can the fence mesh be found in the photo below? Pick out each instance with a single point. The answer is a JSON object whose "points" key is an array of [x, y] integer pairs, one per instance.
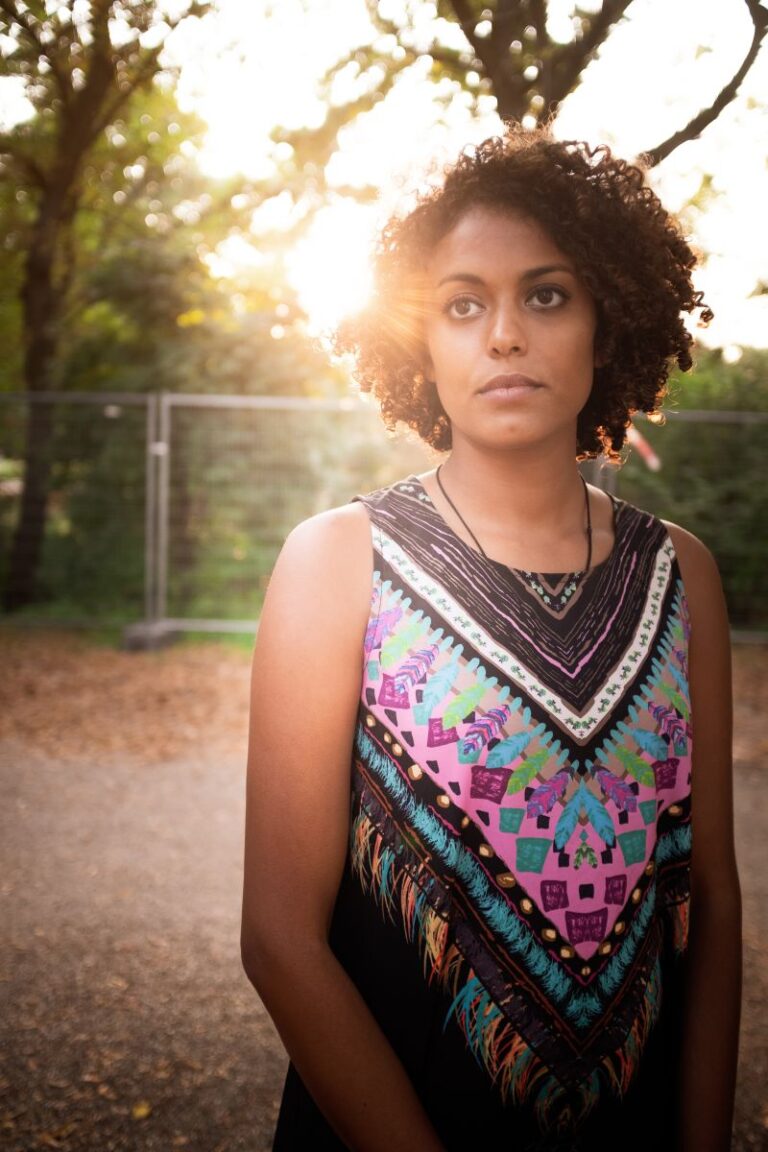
{"points": [[712, 482], [92, 548], [183, 518], [239, 480]]}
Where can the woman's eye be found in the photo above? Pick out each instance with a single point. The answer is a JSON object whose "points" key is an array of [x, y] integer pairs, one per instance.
{"points": [[547, 296], [463, 306]]}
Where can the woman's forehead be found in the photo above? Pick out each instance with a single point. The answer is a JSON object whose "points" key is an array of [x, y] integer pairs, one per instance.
{"points": [[486, 238]]}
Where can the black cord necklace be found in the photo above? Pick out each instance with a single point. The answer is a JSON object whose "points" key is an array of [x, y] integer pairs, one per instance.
{"points": [[479, 546]]}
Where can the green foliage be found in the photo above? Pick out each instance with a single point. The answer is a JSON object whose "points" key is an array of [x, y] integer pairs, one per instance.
{"points": [[712, 479]]}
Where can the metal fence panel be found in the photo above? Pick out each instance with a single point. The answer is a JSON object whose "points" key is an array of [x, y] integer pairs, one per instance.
{"points": [[712, 482], [171, 509], [96, 547], [238, 476]]}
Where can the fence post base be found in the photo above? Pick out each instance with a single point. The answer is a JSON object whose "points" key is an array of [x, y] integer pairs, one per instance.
{"points": [[147, 635]]}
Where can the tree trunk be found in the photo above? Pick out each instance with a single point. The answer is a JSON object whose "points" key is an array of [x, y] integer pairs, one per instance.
{"points": [[42, 306], [21, 580]]}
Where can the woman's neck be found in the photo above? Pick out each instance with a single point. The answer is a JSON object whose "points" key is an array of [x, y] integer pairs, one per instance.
{"points": [[525, 510]]}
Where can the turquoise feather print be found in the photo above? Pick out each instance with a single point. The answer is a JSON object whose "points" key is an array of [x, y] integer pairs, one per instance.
{"points": [[583, 801], [439, 685], [506, 751], [467, 700], [679, 679], [566, 825], [649, 742], [597, 815], [400, 644]]}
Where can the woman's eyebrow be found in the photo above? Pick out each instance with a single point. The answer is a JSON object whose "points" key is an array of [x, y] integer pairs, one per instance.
{"points": [[465, 277], [529, 274]]}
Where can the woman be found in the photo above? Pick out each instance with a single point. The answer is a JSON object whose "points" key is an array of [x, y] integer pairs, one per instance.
{"points": [[482, 931]]}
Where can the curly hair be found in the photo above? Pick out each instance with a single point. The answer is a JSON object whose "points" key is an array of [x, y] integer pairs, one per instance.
{"points": [[629, 252]]}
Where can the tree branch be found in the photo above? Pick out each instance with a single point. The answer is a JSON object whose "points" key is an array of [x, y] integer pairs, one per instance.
{"points": [[146, 70], [570, 61], [20, 18], [467, 20], [539, 20], [11, 147], [696, 126], [386, 27]]}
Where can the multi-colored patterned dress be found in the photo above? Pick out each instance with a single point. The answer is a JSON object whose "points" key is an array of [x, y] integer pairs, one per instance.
{"points": [[515, 901]]}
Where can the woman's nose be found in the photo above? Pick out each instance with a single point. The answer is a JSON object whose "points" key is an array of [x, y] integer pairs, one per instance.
{"points": [[507, 334]]}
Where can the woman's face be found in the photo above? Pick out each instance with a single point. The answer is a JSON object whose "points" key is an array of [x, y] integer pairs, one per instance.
{"points": [[509, 331]]}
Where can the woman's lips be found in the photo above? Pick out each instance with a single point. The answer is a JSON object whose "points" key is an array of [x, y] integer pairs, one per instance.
{"points": [[509, 384]]}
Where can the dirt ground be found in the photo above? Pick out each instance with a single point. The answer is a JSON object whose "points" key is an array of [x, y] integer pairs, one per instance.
{"points": [[126, 1020]]}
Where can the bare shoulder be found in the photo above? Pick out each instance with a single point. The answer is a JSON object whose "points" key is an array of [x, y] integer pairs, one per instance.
{"points": [[335, 544], [700, 574], [337, 531], [323, 573]]}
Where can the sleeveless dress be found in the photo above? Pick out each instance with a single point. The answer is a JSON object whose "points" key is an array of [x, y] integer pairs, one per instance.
{"points": [[514, 905]]}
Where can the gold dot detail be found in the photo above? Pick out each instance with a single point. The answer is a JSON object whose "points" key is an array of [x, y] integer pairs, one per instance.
{"points": [[675, 810], [549, 934], [586, 970], [526, 905], [649, 868], [636, 896], [465, 822], [396, 748], [484, 850], [506, 880], [387, 738], [443, 800], [605, 948], [566, 953], [619, 927], [370, 721], [415, 772]]}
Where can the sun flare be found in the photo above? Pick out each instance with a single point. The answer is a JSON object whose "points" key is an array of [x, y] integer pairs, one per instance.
{"points": [[330, 267]]}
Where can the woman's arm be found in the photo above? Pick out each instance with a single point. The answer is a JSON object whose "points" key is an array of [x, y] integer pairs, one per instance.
{"points": [[713, 975], [307, 672]]}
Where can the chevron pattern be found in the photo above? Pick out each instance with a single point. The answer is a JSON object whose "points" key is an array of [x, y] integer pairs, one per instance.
{"points": [[522, 792]]}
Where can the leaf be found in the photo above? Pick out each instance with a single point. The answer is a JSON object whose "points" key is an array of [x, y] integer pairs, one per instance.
{"points": [[547, 794], [510, 749], [582, 853]]}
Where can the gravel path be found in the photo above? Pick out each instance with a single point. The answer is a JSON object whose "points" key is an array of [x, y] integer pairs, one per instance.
{"points": [[127, 1022]]}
